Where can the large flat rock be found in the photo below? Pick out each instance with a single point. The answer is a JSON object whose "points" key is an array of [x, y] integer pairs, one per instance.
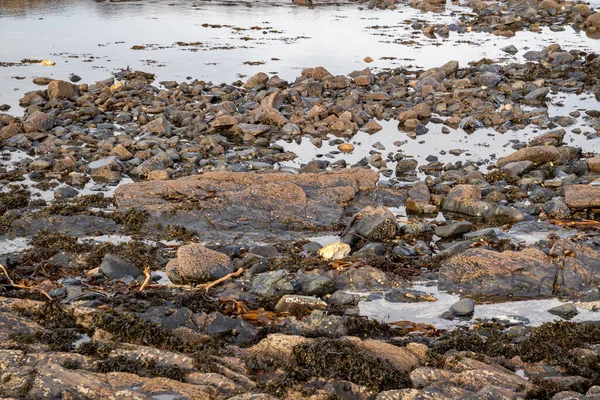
{"points": [[529, 273], [246, 200]]}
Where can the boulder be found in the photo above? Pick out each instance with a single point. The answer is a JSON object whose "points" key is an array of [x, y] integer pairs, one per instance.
{"points": [[537, 155], [582, 196], [197, 264], [371, 224], [61, 89]]}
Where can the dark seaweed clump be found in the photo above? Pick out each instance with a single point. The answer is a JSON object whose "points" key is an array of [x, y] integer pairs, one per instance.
{"points": [[329, 359], [338, 358], [56, 340], [145, 368], [127, 327], [132, 220]]}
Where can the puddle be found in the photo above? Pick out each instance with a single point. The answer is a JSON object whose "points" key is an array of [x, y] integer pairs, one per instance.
{"points": [[428, 312], [8, 246], [83, 339], [223, 40]]}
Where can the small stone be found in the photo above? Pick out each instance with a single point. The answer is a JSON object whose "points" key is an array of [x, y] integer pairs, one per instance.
{"points": [[61, 89], [346, 148], [370, 250], [198, 264], [334, 251], [158, 175], [510, 49], [295, 304], [464, 307], [368, 60], [74, 78]]}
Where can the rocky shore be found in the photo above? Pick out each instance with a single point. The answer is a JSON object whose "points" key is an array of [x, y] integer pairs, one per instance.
{"points": [[158, 243]]}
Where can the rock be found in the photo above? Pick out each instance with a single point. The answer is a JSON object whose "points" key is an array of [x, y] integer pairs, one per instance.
{"points": [[312, 248], [223, 122], [478, 272], [272, 284], [556, 208], [582, 196], [593, 21], [295, 304], [61, 89], [10, 130], [517, 168], [65, 193], [566, 311], [371, 224], [510, 49], [466, 199], [406, 166], [536, 96], [537, 155], [334, 251], [159, 125], [254, 201], [256, 81], [74, 78], [370, 250], [116, 268], [38, 122], [314, 285], [592, 163], [197, 264], [463, 308], [158, 175], [278, 346], [216, 324], [457, 228], [106, 168], [371, 127]]}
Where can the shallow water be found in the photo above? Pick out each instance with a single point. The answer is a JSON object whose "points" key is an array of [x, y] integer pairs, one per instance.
{"points": [[429, 312], [93, 39], [483, 145]]}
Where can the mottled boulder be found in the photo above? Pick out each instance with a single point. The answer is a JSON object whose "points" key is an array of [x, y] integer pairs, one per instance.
{"points": [[61, 89], [252, 201], [38, 122], [371, 224], [582, 196], [197, 264]]}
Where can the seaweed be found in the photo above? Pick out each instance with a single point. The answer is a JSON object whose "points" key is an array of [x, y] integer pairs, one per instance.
{"points": [[145, 368], [132, 220], [127, 327]]}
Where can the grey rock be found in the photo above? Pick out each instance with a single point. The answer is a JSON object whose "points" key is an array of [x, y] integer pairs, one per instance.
{"points": [[117, 268], [370, 250], [65, 193], [566, 311], [464, 307], [272, 284], [315, 285], [312, 248], [454, 229], [268, 251]]}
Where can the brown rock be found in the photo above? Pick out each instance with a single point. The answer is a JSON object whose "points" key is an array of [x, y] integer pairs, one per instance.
{"points": [[582, 196], [278, 201], [363, 80], [273, 117], [257, 80], [61, 89], [158, 175], [278, 346], [593, 163], [121, 152], [10, 130], [197, 264], [38, 122], [538, 155], [371, 127], [593, 21], [526, 273], [223, 122]]}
